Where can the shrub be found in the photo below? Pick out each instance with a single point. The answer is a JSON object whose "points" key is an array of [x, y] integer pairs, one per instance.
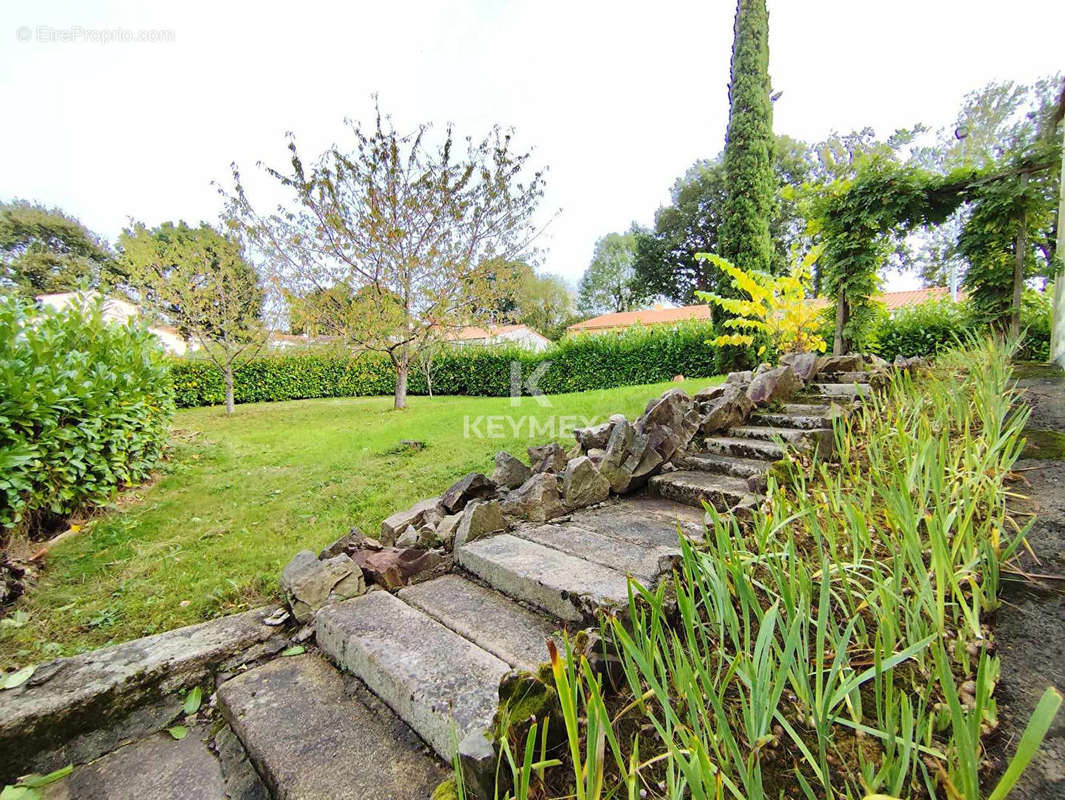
{"points": [[638, 355], [84, 409]]}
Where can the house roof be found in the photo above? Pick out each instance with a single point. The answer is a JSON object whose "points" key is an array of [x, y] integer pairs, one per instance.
{"points": [[658, 316], [474, 332]]}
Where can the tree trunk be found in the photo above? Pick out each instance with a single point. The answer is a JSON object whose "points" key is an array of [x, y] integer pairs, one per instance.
{"points": [[402, 368], [1057, 316], [839, 343], [228, 371], [1020, 251]]}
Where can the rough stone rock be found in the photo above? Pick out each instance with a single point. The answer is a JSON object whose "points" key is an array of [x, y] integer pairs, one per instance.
{"points": [[901, 362], [851, 362], [875, 361], [537, 500], [582, 485], [773, 386], [310, 584], [728, 410], [548, 457], [596, 437], [711, 392], [392, 567], [474, 486], [409, 538], [806, 365], [510, 471], [744, 377], [613, 466], [479, 518], [445, 530], [424, 512], [765, 366], [351, 541], [596, 454], [669, 422]]}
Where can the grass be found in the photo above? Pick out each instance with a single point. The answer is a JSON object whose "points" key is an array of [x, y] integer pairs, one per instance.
{"points": [[239, 496]]}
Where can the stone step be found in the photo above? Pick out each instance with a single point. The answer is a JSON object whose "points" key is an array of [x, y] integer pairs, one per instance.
{"points": [[487, 618], [309, 739], [568, 587], [845, 377], [807, 409], [722, 465], [640, 560], [774, 419], [442, 685], [649, 522], [837, 390], [693, 488], [743, 448], [771, 434]]}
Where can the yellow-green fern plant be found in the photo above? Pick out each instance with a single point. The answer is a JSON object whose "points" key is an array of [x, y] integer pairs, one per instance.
{"points": [[778, 307]]}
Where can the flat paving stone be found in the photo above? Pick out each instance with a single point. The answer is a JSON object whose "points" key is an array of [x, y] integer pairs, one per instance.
{"points": [[571, 588], [638, 524], [642, 561], [487, 618], [310, 740], [743, 448], [723, 465], [158, 767], [693, 487], [439, 683]]}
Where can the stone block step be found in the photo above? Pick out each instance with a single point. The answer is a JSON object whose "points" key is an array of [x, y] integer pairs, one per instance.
{"points": [[722, 465], [771, 434], [845, 377], [693, 488], [568, 587], [642, 561], [487, 618], [442, 685], [648, 522], [690, 519], [743, 448], [838, 390], [807, 409], [308, 739], [774, 419]]}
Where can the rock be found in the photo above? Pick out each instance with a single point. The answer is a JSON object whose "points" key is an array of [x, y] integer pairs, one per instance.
{"points": [[310, 584], [852, 362], [409, 538], [548, 458], [427, 511], [392, 567], [744, 377], [669, 422], [902, 362], [595, 437], [445, 530], [351, 541], [618, 449], [474, 486], [479, 519], [526, 697], [582, 485], [478, 761], [774, 386], [875, 361], [806, 365], [765, 366], [711, 392], [510, 471], [596, 455], [728, 410], [536, 500]]}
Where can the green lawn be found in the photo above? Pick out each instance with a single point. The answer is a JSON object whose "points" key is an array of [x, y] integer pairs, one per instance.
{"points": [[240, 495]]}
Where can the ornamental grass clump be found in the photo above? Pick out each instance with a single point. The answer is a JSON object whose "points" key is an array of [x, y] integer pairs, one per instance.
{"points": [[836, 645]]}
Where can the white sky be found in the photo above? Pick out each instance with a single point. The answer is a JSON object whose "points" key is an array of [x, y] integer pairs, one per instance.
{"points": [[617, 98]]}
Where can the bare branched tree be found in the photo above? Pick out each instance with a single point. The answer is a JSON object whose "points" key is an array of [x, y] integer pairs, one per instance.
{"points": [[396, 239]]}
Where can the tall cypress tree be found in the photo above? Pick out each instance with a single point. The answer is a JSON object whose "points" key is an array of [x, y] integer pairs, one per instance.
{"points": [[745, 238]]}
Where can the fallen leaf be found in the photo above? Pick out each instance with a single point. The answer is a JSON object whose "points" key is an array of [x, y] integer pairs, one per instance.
{"points": [[179, 732], [15, 679], [193, 699], [295, 650]]}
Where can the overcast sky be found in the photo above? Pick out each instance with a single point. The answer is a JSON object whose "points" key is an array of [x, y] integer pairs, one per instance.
{"points": [[617, 98]]}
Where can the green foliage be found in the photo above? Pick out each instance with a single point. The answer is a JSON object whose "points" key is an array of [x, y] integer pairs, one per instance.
{"points": [[609, 282], [84, 410], [749, 145], [44, 250], [640, 355]]}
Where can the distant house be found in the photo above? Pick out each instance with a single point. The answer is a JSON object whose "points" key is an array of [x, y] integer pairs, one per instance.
{"points": [[619, 321], [520, 335], [119, 312]]}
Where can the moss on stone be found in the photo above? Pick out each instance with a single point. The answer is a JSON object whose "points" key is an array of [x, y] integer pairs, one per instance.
{"points": [[526, 698], [446, 790], [1044, 444]]}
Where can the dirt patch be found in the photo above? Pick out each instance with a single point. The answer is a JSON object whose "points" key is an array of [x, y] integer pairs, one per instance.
{"points": [[1030, 626]]}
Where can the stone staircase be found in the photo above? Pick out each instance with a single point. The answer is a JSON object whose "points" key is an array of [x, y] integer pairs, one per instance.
{"points": [[727, 471], [436, 651]]}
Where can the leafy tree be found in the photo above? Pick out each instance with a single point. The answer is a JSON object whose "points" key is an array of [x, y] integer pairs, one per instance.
{"points": [[609, 282], [543, 302], [777, 309], [750, 183], [315, 314], [199, 280], [413, 230], [44, 250]]}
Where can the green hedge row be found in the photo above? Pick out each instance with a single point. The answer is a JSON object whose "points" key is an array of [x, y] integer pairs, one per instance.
{"points": [[85, 408], [603, 361]]}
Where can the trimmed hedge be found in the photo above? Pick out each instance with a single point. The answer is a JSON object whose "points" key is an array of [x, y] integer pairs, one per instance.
{"points": [[85, 408], [646, 355]]}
